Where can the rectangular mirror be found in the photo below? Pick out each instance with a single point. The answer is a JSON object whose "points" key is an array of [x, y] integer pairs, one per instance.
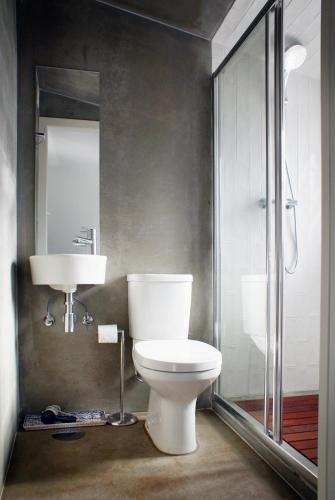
{"points": [[67, 160]]}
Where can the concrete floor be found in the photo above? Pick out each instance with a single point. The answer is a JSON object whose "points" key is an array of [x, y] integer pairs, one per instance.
{"points": [[119, 464]]}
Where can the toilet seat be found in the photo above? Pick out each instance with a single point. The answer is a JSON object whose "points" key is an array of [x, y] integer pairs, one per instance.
{"points": [[177, 356]]}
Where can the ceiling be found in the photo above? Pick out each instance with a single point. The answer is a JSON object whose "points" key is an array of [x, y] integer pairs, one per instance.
{"points": [[201, 18], [303, 26]]}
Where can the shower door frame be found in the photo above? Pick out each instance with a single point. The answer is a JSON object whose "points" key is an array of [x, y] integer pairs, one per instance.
{"points": [[301, 473]]}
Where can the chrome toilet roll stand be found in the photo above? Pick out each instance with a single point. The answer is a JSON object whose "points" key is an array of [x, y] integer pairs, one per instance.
{"points": [[122, 418]]}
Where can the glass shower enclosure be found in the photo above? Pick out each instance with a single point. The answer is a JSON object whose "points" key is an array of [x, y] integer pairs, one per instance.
{"points": [[254, 228]]}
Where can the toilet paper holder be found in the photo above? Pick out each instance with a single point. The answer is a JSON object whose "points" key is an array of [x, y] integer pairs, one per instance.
{"points": [[122, 418]]}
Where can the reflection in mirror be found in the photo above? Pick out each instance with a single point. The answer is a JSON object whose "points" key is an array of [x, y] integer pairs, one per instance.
{"points": [[67, 161]]}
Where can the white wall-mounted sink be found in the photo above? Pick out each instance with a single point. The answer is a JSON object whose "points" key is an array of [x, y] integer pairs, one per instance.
{"points": [[65, 271]]}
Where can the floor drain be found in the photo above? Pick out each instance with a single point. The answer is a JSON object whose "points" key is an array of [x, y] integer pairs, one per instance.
{"points": [[68, 435]]}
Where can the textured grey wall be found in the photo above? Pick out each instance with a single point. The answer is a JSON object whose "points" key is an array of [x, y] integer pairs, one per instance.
{"points": [[155, 187], [8, 240]]}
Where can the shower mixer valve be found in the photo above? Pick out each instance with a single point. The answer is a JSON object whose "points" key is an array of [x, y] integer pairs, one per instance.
{"points": [[290, 203]]}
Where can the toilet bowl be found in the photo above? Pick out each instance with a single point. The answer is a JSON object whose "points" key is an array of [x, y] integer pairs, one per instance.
{"points": [[176, 369]]}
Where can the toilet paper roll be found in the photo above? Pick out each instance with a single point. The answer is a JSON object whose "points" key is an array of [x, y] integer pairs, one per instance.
{"points": [[107, 334]]}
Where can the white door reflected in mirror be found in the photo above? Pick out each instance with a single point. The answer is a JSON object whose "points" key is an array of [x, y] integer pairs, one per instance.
{"points": [[68, 183]]}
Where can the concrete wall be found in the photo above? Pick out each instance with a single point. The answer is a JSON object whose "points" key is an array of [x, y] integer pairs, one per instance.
{"points": [[8, 240], [155, 187]]}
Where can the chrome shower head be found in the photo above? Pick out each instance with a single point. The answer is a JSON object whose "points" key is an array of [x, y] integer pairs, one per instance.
{"points": [[294, 57]]}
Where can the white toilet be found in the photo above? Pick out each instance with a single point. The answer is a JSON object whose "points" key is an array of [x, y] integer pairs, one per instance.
{"points": [[176, 369]]}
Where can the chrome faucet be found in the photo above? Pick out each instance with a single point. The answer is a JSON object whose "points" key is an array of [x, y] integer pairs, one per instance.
{"points": [[89, 240]]}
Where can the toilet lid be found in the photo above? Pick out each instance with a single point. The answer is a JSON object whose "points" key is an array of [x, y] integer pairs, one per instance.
{"points": [[177, 355]]}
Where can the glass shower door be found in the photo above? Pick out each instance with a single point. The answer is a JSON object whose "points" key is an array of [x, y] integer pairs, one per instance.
{"points": [[252, 206], [242, 223]]}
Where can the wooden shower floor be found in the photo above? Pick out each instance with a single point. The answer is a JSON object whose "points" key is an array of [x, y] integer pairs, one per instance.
{"points": [[300, 419]]}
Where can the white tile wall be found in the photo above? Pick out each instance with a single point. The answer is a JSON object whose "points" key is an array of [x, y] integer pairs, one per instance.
{"points": [[302, 290]]}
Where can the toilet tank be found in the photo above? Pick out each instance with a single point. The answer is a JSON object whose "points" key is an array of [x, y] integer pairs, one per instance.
{"points": [[159, 306]]}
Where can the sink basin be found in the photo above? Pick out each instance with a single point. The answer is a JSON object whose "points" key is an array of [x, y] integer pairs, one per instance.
{"points": [[65, 271]]}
